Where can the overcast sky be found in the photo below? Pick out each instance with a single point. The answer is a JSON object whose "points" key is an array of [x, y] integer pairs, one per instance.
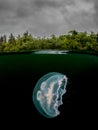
{"points": [[47, 17]]}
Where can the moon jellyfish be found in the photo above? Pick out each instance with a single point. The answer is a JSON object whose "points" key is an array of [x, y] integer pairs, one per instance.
{"points": [[48, 92]]}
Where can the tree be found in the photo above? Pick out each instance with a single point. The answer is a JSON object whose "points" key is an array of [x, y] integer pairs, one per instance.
{"points": [[97, 37], [73, 33], [72, 41], [11, 39], [4, 39], [1, 40]]}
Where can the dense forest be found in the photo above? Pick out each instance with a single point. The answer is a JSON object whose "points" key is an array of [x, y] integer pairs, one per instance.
{"points": [[73, 40]]}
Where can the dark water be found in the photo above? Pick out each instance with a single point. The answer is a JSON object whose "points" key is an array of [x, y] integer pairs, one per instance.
{"points": [[19, 74]]}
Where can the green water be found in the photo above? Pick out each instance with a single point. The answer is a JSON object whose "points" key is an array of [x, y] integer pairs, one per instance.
{"points": [[39, 64], [19, 73]]}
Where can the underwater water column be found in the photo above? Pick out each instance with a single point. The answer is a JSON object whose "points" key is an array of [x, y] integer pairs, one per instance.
{"points": [[48, 92]]}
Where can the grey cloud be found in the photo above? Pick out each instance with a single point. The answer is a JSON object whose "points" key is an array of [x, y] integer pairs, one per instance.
{"points": [[45, 17], [4, 6], [50, 3], [11, 11], [96, 14], [43, 3], [23, 10]]}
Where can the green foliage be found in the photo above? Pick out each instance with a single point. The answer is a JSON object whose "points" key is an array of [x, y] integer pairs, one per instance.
{"points": [[72, 41]]}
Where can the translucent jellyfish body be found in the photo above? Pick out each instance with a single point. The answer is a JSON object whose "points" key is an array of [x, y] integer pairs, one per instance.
{"points": [[48, 92]]}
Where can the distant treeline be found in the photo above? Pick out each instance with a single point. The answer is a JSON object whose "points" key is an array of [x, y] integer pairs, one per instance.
{"points": [[72, 41]]}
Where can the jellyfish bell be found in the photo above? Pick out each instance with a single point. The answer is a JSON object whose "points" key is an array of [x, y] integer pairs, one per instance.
{"points": [[49, 91]]}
